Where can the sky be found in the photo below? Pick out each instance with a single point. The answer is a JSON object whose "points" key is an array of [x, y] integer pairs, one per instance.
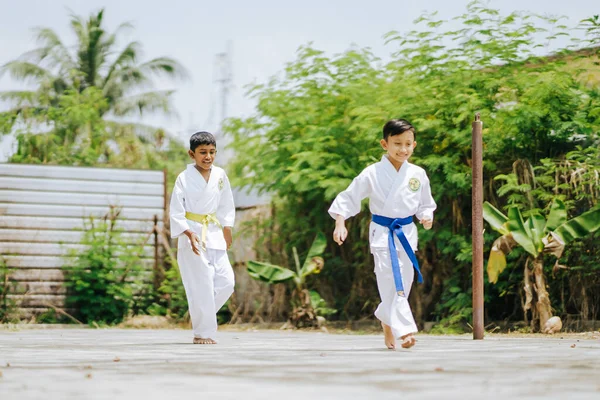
{"points": [[262, 35]]}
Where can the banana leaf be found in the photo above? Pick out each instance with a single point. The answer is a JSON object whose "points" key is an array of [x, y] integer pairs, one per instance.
{"points": [[495, 218], [496, 264], [269, 273], [319, 305], [497, 260], [313, 261], [537, 225], [522, 236], [557, 216], [580, 226]]}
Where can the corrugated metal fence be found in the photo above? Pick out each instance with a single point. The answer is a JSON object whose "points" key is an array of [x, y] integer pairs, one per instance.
{"points": [[42, 214]]}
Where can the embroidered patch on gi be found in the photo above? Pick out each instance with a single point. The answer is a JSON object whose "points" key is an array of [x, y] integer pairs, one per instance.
{"points": [[414, 184], [221, 184]]}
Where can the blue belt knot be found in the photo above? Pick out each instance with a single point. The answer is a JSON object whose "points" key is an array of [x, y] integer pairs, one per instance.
{"points": [[395, 227]]}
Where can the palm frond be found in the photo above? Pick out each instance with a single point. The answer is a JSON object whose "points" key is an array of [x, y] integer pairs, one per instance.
{"points": [[144, 133], [157, 101], [165, 66], [53, 50], [78, 27], [25, 71], [19, 97], [124, 26], [124, 81], [127, 57], [93, 49]]}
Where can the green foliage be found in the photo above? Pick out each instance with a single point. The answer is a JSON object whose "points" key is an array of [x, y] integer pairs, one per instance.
{"points": [[172, 300], [78, 135], [320, 305], [317, 125], [460, 310], [8, 306], [107, 276]]}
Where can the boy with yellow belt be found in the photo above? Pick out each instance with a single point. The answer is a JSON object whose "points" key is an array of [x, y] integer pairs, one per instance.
{"points": [[202, 216]]}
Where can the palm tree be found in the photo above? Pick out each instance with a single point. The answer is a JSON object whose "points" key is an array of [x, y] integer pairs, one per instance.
{"points": [[93, 62], [537, 235]]}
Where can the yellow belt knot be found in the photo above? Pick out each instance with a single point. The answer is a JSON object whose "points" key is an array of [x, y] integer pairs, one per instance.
{"points": [[203, 219]]}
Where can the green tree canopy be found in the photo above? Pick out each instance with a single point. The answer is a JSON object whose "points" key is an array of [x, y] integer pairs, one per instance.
{"points": [[318, 123]]}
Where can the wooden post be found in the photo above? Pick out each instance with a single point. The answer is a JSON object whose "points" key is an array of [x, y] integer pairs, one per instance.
{"points": [[157, 272], [159, 252], [477, 224], [165, 199]]}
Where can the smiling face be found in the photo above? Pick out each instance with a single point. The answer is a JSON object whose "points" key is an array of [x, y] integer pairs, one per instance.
{"points": [[399, 147], [204, 156]]}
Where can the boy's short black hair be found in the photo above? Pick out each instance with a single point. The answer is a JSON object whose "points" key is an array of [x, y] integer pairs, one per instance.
{"points": [[202, 138], [396, 127]]}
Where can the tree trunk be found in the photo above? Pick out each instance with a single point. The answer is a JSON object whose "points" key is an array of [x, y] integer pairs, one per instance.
{"points": [[526, 302], [303, 314], [543, 307]]}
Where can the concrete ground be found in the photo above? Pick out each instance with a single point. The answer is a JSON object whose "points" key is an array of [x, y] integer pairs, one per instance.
{"points": [[163, 364]]}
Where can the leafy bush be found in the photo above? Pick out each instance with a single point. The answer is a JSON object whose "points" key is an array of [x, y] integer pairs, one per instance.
{"points": [[107, 276]]}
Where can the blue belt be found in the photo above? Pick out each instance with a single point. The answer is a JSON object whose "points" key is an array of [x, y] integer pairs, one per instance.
{"points": [[395, 227]]}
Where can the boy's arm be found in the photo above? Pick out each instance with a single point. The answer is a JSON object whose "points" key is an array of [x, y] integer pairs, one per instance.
{"points": [[226, 211], [426, 205], [347, 204], [179, 224]]}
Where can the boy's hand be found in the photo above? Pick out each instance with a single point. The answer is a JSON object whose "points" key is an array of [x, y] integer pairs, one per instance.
{"points": [[340, 233], [228, 236], [195, 241], [427, 223]]}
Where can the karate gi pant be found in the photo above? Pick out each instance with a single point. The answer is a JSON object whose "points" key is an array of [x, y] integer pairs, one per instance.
{"points": [[208, 281], [394, 310]]}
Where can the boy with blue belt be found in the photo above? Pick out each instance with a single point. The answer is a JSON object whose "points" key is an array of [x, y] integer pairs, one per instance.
{"points": [[397, 190]]}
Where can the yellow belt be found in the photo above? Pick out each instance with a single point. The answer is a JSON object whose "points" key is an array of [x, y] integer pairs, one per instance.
{"points": [[203, 219]]}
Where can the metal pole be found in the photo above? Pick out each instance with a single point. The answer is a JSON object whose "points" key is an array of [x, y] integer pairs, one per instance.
{"points": [[477, 218]]}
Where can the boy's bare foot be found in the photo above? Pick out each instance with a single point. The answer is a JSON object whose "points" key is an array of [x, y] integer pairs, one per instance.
{"points": [[408, 341], [389, 339], [198, 340]]}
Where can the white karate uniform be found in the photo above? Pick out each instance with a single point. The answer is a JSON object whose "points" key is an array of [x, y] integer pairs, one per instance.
{"points": [[207, 278], [393, 194]]}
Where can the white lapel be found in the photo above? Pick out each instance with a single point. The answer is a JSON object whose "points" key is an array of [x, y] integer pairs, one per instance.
{"points": [[195, 179], [385, 176], [399, 177], [213, 176]]}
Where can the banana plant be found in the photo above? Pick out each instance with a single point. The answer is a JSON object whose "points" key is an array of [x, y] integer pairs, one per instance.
{"points": [[306, 304], [537, 235]]}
